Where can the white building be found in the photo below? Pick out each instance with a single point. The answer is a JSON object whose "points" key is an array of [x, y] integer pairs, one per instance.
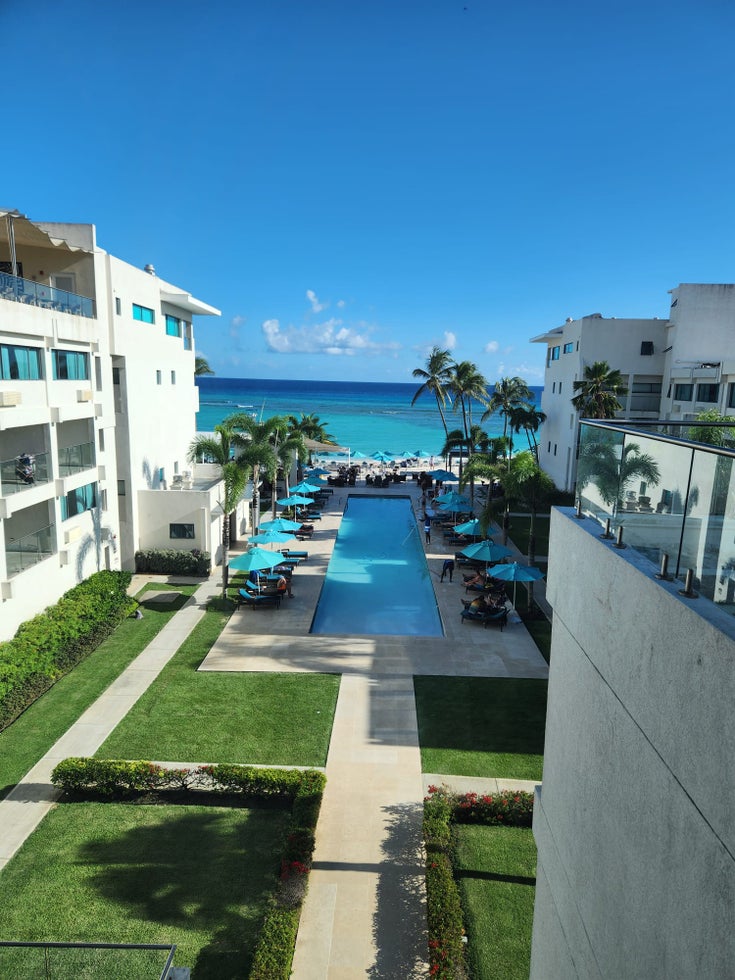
{"points": [[97, 388], [636, 348], [634, 823]]}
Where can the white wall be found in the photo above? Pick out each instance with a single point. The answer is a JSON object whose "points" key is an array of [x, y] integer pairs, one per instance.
{"points": [[635, 825]]}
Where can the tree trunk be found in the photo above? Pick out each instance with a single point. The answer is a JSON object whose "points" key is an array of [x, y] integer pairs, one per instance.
{"points": [[225, 554], [506, 523], [531, 553]]}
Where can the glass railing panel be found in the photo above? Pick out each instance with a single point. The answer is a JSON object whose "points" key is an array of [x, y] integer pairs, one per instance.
{"points": [[22, 472], [39, 294], [598, 470], [74, 459], [708, 541], [30, 549]]}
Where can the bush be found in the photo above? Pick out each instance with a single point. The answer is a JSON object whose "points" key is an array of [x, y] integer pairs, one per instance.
{"points": [[115, 778], [49, 645], [165, 561]]}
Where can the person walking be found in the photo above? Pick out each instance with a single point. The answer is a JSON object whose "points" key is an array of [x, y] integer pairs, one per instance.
{"points": [[447, 569], [427, 530]]}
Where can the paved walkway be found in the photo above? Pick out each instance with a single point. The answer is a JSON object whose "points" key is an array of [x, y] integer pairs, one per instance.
{"points": [[365, 910]]}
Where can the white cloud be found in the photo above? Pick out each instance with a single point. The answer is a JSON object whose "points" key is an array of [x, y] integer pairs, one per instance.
{"points": [[492, 347], [450, 340], [341, 304], [330, 337], [316, 306], [236, 323]]}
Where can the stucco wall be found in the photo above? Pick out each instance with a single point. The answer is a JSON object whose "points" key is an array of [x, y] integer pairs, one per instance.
{"points": [[635, 823]]}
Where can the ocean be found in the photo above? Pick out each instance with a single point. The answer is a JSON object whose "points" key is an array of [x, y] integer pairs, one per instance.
{"points": [[365, 416]]}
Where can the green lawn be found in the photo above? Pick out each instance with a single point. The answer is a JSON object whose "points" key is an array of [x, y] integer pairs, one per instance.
{"points": [[192, 875], [481, 726], [496, 871], [519, 531], [31, 735], [259, 718]]}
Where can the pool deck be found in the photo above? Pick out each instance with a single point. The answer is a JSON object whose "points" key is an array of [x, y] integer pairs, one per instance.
{"points": [[365, 912]]}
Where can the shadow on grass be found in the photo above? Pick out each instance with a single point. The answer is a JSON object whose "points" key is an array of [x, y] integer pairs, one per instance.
{"points": [[194, 872], [482, 714]]}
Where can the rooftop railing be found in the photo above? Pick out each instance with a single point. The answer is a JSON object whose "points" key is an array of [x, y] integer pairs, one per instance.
{"points": [[669, 489], [40, 294]]}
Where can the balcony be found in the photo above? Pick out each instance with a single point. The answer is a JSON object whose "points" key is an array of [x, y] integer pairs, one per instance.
{"points": [[49, 297], [669, 490], [75, 459], [29, 550], [24, 471]]}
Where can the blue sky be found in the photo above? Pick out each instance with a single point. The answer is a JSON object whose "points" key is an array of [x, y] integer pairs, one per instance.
{"points": [[352, 182]]}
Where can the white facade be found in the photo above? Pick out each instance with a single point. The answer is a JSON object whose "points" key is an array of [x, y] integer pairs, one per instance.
{"points": [[636, 348], [634, 825], [97, 386]]}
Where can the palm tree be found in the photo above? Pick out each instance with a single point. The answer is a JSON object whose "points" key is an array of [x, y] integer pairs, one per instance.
{"points": [[612, 471], [509, 393], [529, 418], [436, 378], [467, 385], [599, 391], [201, 366], [310, 427], [527, 484], [255, 441], [234, 475]]}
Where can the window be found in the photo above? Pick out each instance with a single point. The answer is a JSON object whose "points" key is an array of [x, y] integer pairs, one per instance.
{"points": [[121, 488], [731, 397], [569, 348], [79, 500], [20, 363], [181, 531], [560, 384], [553, 387], [116, 375], [173, 377], [173, 326], [646, 388], [708, 393], [69, 365], [101, 440], [549, 448], [683, 393], [555, 353], [555, 448], [118, 305], [143, 314], [103, 500], [646, 347], [187, 335], [158, 377]]}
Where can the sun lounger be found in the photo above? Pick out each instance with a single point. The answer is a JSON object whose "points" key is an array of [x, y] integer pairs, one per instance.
{"points": [[288, 553], [499, 618], [245, 598]]}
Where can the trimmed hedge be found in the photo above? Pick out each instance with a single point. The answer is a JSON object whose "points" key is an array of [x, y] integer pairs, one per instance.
{"points": [[115, 778], [49, 645], [165, 561], [444, 911]]}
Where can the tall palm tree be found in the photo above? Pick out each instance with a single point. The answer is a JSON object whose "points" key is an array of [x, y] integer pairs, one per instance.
{"points": [[467, 385], [527, 417], [599, 391], [508, 394], [527, 484], [201, 366], [234, 474], [436, 376], [310, 427], [255, 441]]}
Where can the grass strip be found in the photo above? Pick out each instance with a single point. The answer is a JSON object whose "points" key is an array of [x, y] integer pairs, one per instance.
{"points": [[520, 528], [31, 735], [496, 870], [258, 718], [482, 726], [196, 876]]}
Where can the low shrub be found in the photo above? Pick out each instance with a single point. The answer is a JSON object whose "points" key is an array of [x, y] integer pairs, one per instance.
{"points": [[165, 561], [51, 644], [442, 809], [115, 778]]}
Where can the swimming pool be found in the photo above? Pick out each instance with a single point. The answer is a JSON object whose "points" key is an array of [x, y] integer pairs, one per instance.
{"points": [[378, 581]]}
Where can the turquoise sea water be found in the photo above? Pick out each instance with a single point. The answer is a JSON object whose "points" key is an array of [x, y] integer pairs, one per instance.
{"points": [[377, 581], [366, 416]]}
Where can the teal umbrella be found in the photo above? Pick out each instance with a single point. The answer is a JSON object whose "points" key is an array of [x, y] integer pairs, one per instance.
{"points": [[270, 536], [382, 457], [255, 559], [469, 527], [443, 476], [486, 551], [305, 487], [359, 455], [516, 573], [295, 500], [281, 524]]}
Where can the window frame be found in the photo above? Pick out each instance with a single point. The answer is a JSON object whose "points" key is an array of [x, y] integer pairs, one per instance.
{"points": [[144, 314], [186, 536]]}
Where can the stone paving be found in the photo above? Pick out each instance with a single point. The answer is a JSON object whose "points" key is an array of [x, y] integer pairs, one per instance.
{"points": [[365, 910]]}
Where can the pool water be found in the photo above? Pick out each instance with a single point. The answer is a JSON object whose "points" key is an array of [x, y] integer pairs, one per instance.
{"points": [[378, 581]]}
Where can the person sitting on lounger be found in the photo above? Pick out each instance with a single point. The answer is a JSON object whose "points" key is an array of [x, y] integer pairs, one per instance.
{"points": [[283, 585], [478, 580]]}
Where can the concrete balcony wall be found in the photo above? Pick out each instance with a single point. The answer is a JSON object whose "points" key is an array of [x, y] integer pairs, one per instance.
{"points": [[635, 824]]}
